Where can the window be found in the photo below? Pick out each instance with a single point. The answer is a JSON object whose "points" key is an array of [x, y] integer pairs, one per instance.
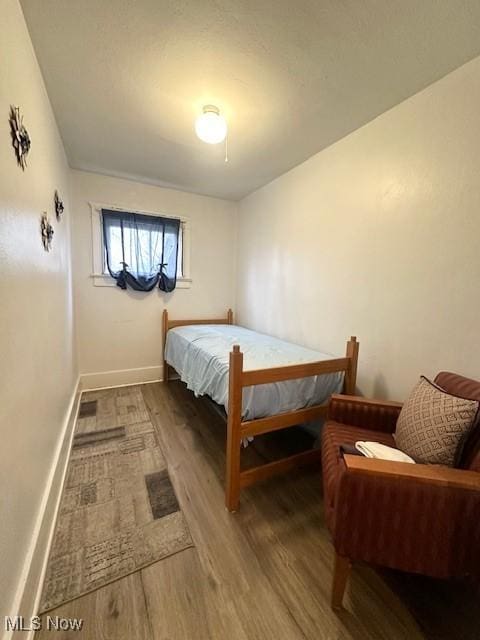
{"points": [[149, 241]]}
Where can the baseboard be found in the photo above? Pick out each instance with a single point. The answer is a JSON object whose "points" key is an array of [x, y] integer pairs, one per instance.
{"points": [[27, 598], [120, 377]]}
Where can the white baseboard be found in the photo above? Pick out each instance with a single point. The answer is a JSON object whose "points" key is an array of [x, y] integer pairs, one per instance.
{"points": [[120, 377], [27, 597]]}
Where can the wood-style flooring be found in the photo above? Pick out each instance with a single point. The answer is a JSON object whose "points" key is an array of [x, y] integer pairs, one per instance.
{"points": [[262, 573]]}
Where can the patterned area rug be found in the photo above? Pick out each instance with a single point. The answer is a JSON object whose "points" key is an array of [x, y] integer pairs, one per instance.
{"points": [[118, 511]]}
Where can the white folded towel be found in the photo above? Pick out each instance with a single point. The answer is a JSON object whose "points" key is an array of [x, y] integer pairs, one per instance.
{"points": [[381, 451]]}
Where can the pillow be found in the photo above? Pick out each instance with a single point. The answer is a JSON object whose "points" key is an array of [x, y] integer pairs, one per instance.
{"points": [[433, 425]]}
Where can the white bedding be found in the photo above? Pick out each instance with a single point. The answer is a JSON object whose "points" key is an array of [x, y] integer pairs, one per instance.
{"points": [[200, 355]]}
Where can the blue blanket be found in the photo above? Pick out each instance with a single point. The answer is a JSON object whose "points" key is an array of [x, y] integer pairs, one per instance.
{"points": [[200, 355]]}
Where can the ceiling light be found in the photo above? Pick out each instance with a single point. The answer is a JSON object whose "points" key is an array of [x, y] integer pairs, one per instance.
{"points": [[211, 127]]}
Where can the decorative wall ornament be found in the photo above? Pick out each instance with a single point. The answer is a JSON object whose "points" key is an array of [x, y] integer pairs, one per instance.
{"points": [[20, 138], [47, 232], [59, 207]]}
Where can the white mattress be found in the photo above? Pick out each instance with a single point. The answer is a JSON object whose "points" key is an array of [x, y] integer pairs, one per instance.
{"points": [[200, 355]]}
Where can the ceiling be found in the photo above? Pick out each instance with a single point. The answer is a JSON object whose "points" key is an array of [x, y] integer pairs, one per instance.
{"points": [[127, 78]]}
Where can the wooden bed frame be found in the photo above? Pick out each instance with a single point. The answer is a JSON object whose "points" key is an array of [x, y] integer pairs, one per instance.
{"points": [[236, 479]]}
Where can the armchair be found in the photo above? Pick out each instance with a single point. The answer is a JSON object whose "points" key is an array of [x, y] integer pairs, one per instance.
{"points": [[417, 518]]}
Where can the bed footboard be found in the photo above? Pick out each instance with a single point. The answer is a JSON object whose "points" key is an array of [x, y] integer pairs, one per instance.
{"points": [[236, 479]]}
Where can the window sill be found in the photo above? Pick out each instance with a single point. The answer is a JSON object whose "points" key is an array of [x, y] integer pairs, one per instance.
{"points": [[103, 280]]}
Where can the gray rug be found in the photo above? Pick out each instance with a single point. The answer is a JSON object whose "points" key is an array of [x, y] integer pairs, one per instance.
{"points": [[118, 511]]}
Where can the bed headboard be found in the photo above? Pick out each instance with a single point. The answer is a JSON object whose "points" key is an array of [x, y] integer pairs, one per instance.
{"points": [[169, 324]]}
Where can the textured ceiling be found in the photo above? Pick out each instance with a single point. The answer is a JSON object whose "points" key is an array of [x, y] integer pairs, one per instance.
{"points": [[127, 78]]}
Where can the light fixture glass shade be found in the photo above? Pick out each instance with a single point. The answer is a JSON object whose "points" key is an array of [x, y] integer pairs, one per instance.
{"points": [[211, 127]]}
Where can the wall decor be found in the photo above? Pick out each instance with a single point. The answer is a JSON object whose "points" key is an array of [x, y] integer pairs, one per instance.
{"points": [[47, 232], [20, 138], [59, 206]]}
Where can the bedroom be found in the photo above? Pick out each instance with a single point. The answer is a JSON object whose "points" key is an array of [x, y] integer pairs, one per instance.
{"points": [[348, 207]]}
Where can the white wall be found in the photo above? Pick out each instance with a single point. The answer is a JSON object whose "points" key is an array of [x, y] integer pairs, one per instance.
{"points": [[37, 364], [377, 236], [119, 332]]}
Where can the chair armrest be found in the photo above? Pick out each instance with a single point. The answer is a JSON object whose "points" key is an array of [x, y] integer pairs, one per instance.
{"points": [[434, 474], [377, 415], [418, 518]]}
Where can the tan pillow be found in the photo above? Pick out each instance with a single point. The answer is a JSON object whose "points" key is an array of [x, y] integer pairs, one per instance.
{"points": [[433, 425]]}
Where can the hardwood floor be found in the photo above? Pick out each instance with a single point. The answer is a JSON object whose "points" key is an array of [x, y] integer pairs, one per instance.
{"points": [[264, 572]]}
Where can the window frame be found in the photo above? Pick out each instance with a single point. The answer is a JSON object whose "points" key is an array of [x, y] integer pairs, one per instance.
{"points": [[98, 275]]}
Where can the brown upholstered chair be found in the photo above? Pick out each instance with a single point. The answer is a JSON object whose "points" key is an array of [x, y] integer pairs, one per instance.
{"points": [[416, 518]]}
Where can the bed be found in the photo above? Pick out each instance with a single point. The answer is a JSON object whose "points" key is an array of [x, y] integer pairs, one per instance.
{"points": [[263, 383]]}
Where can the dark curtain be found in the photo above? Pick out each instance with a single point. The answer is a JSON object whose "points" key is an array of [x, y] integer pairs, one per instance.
{"points": [[141, 250]]}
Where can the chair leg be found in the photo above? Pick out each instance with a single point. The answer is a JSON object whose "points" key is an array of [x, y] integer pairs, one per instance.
{"points": [[340, 576]]}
